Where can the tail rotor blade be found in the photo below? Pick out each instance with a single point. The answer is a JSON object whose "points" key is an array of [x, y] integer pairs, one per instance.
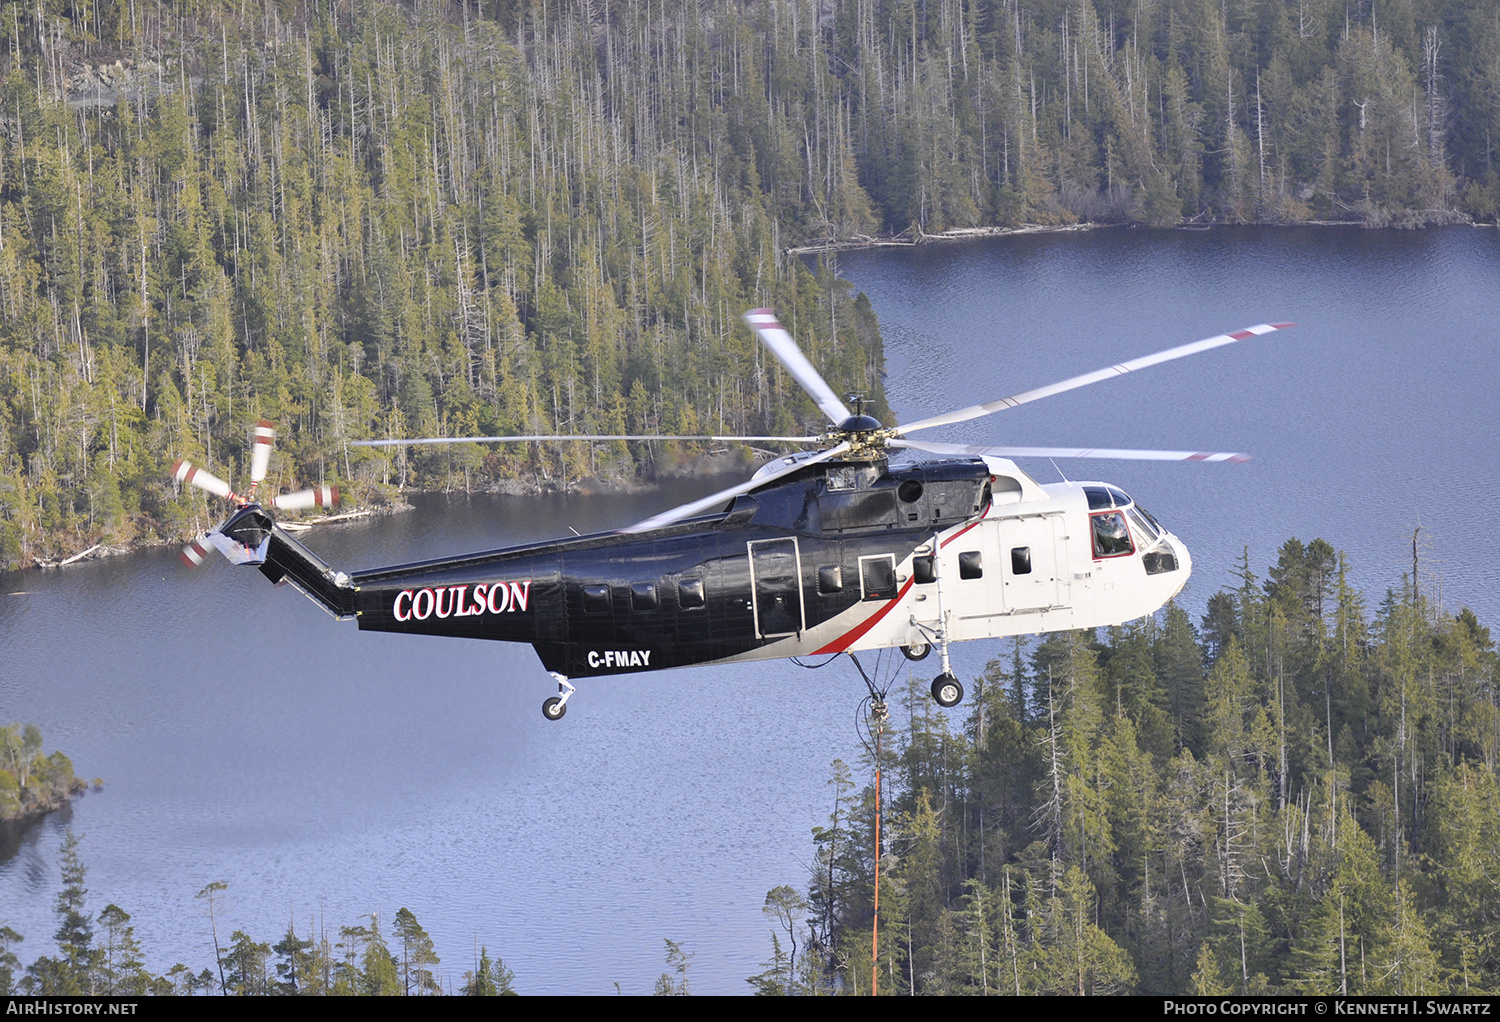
{"points": [[317, 496], [194, 553], [185, 471], [260, 451]]}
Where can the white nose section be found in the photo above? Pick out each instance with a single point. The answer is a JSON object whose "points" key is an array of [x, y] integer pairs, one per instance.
{"points": [[1184, 563]]}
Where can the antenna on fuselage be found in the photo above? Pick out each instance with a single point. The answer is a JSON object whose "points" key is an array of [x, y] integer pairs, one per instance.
{"points": [[1060, 473]]}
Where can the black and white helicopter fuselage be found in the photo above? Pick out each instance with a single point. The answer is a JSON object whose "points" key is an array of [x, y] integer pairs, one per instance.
{"points": [[817, 553], [846, 557]]}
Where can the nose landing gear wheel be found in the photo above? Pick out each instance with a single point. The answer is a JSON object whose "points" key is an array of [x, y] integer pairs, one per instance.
{"points": [[946, 690], [554, 708], [917, 650]]}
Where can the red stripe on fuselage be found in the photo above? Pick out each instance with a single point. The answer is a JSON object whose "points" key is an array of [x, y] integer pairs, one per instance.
{"points": [[854, 634], [966, 528]]}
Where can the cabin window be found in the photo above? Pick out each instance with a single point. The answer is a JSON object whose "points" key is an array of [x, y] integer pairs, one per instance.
{"points": [[924, 570], [970, 565], [830, 579], [910, 491], [690, 593], [596, 598], [643, 596], [877, 576], [1020, 560], [1111, 537]]}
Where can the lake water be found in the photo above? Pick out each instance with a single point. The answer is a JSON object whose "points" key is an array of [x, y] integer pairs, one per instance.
{"points": [[326, 774]]}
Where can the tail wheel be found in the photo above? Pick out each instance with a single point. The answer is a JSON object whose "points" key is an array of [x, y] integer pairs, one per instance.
{"points": [[917, 650], [947, 690], [554, 708]]}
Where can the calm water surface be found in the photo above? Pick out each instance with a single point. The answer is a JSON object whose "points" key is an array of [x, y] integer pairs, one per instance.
{"points": [[327, 774]]}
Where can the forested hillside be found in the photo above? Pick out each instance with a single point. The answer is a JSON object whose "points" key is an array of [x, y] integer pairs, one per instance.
{"points": [[1299, 797], [381, 219]]}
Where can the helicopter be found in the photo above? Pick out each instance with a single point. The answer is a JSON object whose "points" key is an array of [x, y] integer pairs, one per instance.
{"points": [[827, 551]]}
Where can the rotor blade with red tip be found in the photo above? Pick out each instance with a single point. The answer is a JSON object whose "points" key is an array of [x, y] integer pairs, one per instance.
{"points": [[185, 471], [713, 500], [194, 553], [980, 450], [260, 451], [317, 496], [1025, 397], [774, 336]]}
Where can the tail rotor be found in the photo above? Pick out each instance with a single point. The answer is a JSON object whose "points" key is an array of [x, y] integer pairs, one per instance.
{"points": [[244, 546]]}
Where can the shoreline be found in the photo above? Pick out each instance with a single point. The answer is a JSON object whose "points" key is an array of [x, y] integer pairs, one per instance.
{"points": [[915, 239], [731, 461], [705, 466]]}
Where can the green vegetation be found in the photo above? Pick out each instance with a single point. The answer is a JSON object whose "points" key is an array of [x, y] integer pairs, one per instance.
{"points": [[370, 220], [99, 955], [380, 219], [32, 783], [1295, 799]]}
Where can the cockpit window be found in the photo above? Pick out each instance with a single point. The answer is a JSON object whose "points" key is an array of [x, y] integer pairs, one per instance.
{"points": [[1111, 537], [1098, 498], [1150, 518], [1147, 532], [1102, 498]]}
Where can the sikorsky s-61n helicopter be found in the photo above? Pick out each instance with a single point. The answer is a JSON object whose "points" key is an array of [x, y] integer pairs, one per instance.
{"points": [[830, 551]]}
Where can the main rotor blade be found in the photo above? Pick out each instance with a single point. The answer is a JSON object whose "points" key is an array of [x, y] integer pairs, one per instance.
{"points": [[979, 450], [677, 514], [774, 336], [975, 411], [260, 451], [572, 436]]}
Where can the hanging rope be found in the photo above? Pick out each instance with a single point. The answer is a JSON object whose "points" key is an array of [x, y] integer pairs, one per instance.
{"points": [[878, 715]]}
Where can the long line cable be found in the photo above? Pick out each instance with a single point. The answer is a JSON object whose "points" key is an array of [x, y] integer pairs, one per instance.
{"points": [[879, 715]]}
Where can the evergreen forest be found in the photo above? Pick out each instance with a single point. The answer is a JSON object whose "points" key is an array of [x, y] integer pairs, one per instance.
{"points": [[98, 955], [1297, 795], [375, 219]]}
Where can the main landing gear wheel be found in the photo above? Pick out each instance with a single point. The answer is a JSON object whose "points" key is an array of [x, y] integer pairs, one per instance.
{"points": [[554, 708], [947, 690], [917, 650]]}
